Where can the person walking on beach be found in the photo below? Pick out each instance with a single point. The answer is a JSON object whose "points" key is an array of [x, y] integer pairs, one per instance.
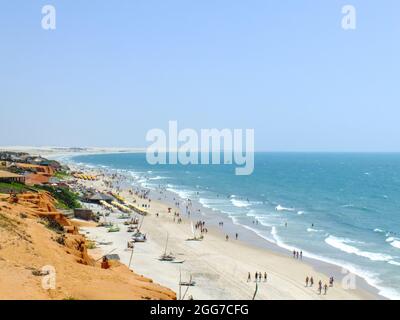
{"points": [[311, 281], [325, 289], [320, 287], [307, 280], [301, 255], [265, 277], [227, 238], [294, 254], [331, 281], [237, 236], [249, 277], [256, 276]]}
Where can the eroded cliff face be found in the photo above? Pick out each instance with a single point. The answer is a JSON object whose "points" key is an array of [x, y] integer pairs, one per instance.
{"points": [[37, 262]]}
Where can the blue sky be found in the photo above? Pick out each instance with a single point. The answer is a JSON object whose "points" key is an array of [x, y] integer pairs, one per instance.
{"points": [[112, 70]]}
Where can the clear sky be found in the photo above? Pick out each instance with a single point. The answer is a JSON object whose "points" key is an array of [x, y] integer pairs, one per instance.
{"points": [[112, 70]]}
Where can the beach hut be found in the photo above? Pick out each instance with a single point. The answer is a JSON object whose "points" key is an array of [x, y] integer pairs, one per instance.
{"points": [[97, 198]]}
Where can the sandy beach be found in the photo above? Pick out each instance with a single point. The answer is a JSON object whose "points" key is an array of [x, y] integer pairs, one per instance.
{"points": [[219, 267]]}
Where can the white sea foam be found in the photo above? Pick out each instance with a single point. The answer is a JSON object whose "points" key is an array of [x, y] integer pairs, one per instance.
{"points": [[212, 204], [300, 213], [158, 178], [234, 220], [279, 242], [205, 203], [348, 206], [259, 233], [240, 203], [281, 208], [370, 277], [314, 230], [396, 244], [378, 230], [184, 194], [343, 245]]}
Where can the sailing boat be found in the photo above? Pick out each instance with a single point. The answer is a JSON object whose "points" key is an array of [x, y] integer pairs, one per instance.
{"points": [[114, 229], [105, 223], [195, 238], [189, 283], [169, 257], [165, 256]]}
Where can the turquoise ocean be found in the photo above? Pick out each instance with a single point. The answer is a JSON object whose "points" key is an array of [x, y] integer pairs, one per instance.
{"points": [[340, 208]]}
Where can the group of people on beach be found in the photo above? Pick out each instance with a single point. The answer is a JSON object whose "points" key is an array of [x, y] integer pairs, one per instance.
{"points": [[258, 277], [200, 225], [236, 236], [142, 194], [177, 217], [298, 254], [324, 288]]}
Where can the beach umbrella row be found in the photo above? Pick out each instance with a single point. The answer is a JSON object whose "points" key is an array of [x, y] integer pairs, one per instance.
{"points": [[84, 177]]}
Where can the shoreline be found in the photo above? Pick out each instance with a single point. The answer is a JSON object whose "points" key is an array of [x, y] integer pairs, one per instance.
{"points": [[249, 238], [250, 241], [252, 238]]}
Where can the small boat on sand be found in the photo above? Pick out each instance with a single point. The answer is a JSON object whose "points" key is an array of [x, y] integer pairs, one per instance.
{"points": [[169, 257], [105, 243], [131, 222], [114, 229], [189, 283], [132, 229], [139, 238], [124, 216], [178, 261], [105, 224]]}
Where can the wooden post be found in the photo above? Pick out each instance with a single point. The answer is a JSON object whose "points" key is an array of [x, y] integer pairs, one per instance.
{"points": [[130, 260]]}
